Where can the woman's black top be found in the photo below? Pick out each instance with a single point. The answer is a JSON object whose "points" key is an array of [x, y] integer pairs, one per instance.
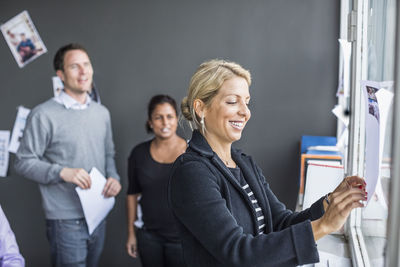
{"points": [[150, 179]]}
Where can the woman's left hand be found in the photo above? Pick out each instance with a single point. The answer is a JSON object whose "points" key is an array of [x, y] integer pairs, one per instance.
{"points": [[347, 196]]}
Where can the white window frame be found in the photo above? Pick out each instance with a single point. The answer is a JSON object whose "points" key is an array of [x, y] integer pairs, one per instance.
{"points": [[356, 22], [357, 36], [393, 229]]}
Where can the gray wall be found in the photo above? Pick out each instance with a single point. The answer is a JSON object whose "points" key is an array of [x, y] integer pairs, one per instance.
{"points": [[141, 48]]}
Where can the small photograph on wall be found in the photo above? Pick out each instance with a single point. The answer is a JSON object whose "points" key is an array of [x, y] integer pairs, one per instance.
{"points": [[23, 39], [58, 85]]}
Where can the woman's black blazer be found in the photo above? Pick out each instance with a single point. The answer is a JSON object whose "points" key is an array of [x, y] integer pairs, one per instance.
{"points": [[217, 222]]}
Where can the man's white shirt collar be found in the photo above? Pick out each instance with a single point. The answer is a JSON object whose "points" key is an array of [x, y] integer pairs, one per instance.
{"points": [[70, 103]]}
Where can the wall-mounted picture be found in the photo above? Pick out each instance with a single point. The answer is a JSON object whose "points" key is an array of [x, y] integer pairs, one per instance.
{"points": [[58, 85], [23, 39]]}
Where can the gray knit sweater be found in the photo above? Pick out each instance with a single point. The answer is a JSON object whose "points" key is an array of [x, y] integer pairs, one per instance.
{"points": [[56, 137]]}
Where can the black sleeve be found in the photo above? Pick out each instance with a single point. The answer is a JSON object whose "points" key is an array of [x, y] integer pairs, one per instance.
{"points": [[283, 217], [197, 203], [133, 183]]}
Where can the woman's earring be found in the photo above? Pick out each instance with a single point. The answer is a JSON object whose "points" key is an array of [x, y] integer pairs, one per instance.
{"points": [[202, 123]]}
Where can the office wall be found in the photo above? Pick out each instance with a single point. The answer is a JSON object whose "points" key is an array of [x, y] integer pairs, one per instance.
{"points": [[141, 48]]}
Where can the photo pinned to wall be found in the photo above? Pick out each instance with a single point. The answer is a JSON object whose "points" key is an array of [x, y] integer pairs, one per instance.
{"points": [[4, 156], [58, 85], [18, 130], [23, 39]]}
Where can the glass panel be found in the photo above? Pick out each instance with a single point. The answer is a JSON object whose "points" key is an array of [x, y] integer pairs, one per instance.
{"points": [[381, 55]]}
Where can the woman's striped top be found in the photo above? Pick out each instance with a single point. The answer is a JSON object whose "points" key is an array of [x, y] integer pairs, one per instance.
{"points": [[237, 173]]}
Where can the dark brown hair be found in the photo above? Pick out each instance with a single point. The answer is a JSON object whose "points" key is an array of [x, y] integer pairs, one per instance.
{"points": [[58, 61], [157, 100]]}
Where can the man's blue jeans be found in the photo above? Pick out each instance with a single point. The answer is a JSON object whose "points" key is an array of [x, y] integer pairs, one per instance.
{"points": [[72, 246]]}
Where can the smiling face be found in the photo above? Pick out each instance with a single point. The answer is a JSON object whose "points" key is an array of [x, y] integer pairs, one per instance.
{"points": [[164, 121], [77, 73], [228, 113]]}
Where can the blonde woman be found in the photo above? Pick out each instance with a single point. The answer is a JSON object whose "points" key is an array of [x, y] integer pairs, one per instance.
{"points": [[227, 213]]}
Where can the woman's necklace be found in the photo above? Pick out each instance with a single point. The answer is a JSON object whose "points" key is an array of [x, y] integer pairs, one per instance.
{"points": [[229, 163], [227, 159]]}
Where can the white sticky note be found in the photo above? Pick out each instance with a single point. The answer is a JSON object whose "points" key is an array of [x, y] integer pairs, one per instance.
{"points": [[4, 137]]}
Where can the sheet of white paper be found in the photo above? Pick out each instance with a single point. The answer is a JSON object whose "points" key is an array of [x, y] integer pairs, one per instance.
{"points": [[95, 205], [339, 113], [325, 163], [371, 154], [323, 148], [375, 210], [4, 138], [385, 99], [18, 129], [377, 105], [321, 179]]}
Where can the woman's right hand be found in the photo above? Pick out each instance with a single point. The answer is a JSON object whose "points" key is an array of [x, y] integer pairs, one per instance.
{"points": [[131, 246], [347, 196]]}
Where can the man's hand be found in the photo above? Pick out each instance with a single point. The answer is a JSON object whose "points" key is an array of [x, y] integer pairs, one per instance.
{"points": [[112, 187], [77, 176]]}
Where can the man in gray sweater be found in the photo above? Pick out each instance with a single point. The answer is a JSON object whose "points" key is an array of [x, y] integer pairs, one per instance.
{"points": [[65, 137]]}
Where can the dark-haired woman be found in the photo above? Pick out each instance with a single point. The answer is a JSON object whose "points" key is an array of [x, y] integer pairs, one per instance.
{"points": [[149, 166]]}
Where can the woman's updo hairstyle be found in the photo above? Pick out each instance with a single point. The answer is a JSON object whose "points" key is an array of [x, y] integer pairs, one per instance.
{"points": [[205, 84]]}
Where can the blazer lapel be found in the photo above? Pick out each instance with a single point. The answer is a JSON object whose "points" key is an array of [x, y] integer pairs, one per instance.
{"points": [[229, 176], [199, 144]]}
